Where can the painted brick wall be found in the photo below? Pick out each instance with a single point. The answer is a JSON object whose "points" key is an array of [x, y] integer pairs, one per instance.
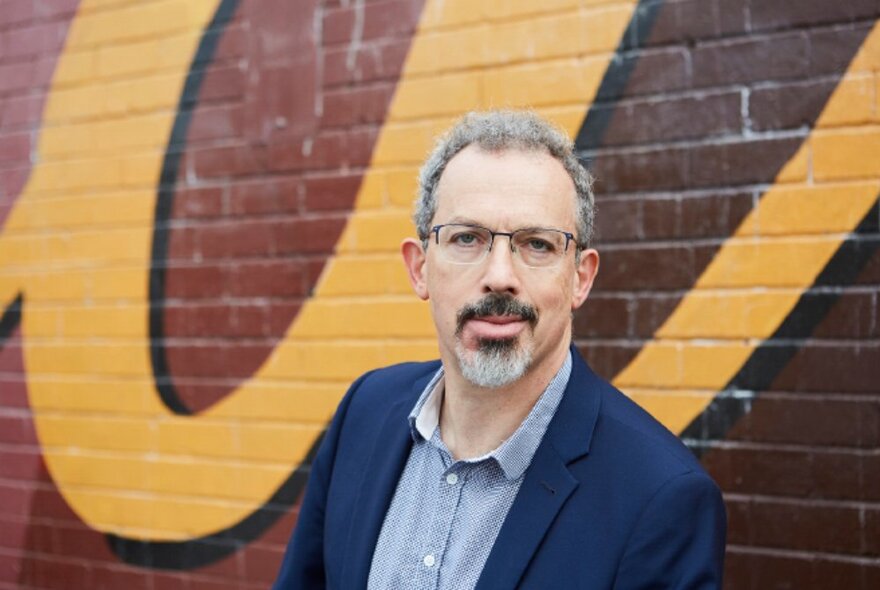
{"points": [[200, 208]]}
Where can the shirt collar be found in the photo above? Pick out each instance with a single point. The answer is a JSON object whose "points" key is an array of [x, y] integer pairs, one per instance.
{"points": [[513, 455]]}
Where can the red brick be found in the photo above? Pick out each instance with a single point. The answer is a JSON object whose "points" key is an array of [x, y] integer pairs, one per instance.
{"points": [[741, 162], [206, 583], [370, 62], [170, 581], [629, 171], [55, 8], [335, 191], [391, 18], [280, 315], [13, 389], [184, 244], [237, 239], [38, 39], [820, 527], [54, 573], [278, 534], [16, 77], [19, 111], [715, 215], [686, 21], [195, 203], [234, 360], [651, 310], [196, 281], [851, 317], [20, 463], [222, 162], [657, 268], [832, 49], [80, 540], [198, 320], [12, 366], [282, 100], [604, 316], [16, 12], [269, 278], [808, 474], [326, 151], [15, 147], [270, 195], [316, 235], [779, 14], [224, 121], [47, 503], [656, 71], [608, 359], [10, 569], [699, 116], [387, 18], [807, 420], [357, 106], [234, 43], [110, 577], [16, 427], [285, 29], [223, 83], [13, 532], [261, 564], [755, 59], [832, 368]]}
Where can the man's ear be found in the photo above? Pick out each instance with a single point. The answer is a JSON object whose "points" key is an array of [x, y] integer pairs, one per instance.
{"points": [[585, 274], [414, 260]]}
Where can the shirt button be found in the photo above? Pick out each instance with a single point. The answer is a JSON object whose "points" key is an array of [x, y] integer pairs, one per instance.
{"points": [[429, 560], [452, 479]]}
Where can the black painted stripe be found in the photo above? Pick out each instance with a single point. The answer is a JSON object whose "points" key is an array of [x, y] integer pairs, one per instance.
{"points": [[770, 358], [165, 203], [11, 319]]}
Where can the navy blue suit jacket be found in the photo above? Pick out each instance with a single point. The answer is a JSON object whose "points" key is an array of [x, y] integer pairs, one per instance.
{"points": [[611, 500]]}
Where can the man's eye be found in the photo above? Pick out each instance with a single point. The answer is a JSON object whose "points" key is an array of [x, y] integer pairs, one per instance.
{"points": [[465, 239], [538, 245]]}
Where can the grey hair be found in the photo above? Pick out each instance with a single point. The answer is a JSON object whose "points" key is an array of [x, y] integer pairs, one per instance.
{"points": [[496, 131]]}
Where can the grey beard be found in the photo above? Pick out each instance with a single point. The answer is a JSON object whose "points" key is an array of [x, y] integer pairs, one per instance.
{"points": [[495, 363]]}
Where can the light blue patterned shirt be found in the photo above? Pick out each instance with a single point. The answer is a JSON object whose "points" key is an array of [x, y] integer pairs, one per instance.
{"points": [[446, 514]]}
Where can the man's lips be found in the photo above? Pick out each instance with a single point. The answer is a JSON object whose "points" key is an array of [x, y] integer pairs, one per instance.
{"points": [[495, 327]]}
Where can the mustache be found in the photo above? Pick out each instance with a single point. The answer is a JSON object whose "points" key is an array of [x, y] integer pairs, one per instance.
{"points": [[495, 304]]}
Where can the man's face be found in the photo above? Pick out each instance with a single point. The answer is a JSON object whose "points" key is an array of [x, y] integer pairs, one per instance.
{"points": [[499, 318]]}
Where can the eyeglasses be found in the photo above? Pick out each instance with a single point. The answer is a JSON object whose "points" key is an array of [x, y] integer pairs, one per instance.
{"points": [[462, 243]]}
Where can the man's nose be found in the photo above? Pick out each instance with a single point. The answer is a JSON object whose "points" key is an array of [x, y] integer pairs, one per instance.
{"points": [[500, 274]]}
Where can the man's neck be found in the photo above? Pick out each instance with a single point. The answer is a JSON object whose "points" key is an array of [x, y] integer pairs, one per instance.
{"points": [[475, 420]]}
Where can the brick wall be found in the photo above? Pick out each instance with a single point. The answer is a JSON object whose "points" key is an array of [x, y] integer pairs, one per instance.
{"points": [[200, 208]]}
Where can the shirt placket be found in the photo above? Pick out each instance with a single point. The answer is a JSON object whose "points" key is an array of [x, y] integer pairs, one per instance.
{"points": [[450, 484]]}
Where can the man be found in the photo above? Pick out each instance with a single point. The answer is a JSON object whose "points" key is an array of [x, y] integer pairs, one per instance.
{"points": [[508, 463]]}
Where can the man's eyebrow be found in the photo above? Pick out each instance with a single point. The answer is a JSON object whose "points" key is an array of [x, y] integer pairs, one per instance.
{"points": [[465, 221]]}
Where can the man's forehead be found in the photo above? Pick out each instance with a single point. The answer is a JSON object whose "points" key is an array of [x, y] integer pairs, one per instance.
{"points": [[513, 178]]}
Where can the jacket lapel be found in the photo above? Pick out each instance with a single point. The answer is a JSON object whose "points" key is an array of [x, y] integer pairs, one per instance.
{"points": [[391, 448], [548, 483]]}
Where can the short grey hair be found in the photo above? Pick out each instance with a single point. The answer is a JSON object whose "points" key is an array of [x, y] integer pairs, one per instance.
{"points": [[496, 131]]}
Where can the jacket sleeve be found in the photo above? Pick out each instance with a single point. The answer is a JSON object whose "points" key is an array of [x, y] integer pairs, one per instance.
{"points": [[303, 564], [678, 542]]}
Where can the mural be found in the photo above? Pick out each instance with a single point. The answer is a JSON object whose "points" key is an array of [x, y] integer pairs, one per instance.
{"points": [[201, 204]]}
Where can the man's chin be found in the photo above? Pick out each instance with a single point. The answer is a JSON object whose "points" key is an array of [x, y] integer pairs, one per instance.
{"points": [[495, 363], [496, 345]]}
